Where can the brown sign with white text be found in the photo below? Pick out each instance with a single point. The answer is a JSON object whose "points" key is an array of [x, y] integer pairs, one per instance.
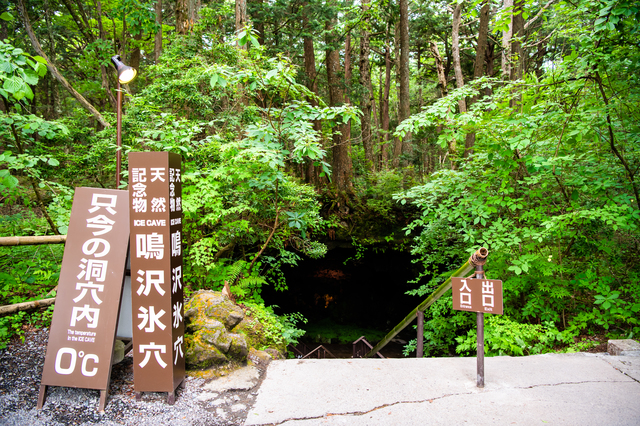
{"points": [[477, 295], [155, 189], [85, 317]]}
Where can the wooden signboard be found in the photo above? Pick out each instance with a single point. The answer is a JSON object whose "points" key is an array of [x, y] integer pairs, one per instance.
{"points": [[155, 189], [477, 295], [83, 327]]}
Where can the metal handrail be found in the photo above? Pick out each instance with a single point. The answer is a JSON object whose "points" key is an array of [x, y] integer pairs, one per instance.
{"points": [[478, 258], [359, 347], [300, 349], [321, 353]]}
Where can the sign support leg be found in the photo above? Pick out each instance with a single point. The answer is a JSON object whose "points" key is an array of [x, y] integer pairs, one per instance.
{"points": [[420, 345], [480, 348], [42, 395], [171, 397], [104, 393], [480, 335]]}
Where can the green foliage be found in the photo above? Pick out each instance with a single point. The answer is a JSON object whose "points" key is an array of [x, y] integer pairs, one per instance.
{"points": [[377, 189], [503, 336], [28, 272], [13, 326], [279, 329], [549, 191], [18, 72], [10, 327]]}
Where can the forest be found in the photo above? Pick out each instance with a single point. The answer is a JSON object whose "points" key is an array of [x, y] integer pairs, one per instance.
{"points": [[427, 127]]}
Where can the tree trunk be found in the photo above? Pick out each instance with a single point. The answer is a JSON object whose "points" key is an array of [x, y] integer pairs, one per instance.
{"points": [[517, 67], [341, 149], [241, 18], [347, 81], [490, 56], [442, 77], [457, 69], [478, 67], [419, 60], [404, 98], [182, 16], [481, 48], [134, 61], [54, 70], [516, 45], [506, 45], [455, 49], [397, 143], [442, 82], [50, 113], [367, 90], [157, 46], [194, 8], [312, 172], [384, 108], [256, 10]]}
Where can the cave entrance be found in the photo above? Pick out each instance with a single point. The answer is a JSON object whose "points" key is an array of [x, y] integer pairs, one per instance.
{"points": [[344, 297]]}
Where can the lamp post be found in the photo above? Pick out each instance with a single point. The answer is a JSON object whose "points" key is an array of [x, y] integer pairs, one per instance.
{"points": [[126, 74]]}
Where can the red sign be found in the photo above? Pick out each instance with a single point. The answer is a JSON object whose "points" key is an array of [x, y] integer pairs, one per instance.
{"points": [[477, 295], [85, 317], [155, 188]]}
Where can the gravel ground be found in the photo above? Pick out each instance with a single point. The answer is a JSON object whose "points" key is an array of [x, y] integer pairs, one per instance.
{"points": [[21, 370]]}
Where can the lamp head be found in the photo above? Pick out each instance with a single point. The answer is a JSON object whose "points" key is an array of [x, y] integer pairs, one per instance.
{"points": [[125, 73]]}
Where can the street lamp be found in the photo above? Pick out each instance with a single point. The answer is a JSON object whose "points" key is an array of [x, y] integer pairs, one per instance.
{"points": [[126, 74]]}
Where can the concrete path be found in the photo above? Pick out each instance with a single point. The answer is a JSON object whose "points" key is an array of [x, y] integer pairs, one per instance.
{"points": [[552, 389]]}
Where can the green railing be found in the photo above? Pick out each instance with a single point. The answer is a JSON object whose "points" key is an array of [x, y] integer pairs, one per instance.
{"points": [[476, 260]]}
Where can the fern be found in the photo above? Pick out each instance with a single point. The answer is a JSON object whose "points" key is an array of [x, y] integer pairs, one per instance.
{"points": [[244, 287], [252, 281], [234, 271]]}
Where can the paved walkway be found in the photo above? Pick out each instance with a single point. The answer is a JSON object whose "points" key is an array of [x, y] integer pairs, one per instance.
{"points": [[552, 389]]}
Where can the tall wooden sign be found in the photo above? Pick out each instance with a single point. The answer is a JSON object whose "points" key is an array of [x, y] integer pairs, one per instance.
{"points": [[83, 327], [155, 189]]}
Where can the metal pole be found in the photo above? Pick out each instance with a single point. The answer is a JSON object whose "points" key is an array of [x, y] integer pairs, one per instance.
{"points": [[118, 133], [480, 336], [420, 346]]}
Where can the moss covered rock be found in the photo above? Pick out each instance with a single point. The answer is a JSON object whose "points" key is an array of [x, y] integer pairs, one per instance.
{"points": [[219, 334], [212, 305], [209, 318]]}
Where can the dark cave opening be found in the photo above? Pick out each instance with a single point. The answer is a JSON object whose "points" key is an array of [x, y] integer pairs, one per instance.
{"points": [[344, 297]]}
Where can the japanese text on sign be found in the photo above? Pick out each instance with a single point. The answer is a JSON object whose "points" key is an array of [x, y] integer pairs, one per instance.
{"points": [[84, 321], [156, 261], [477, 295]]}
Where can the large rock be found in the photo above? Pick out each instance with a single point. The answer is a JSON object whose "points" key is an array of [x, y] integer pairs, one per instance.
{"points": [[210, 318]]}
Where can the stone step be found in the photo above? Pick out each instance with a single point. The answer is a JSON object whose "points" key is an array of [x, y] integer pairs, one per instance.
{"points": [[625, 347]]}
